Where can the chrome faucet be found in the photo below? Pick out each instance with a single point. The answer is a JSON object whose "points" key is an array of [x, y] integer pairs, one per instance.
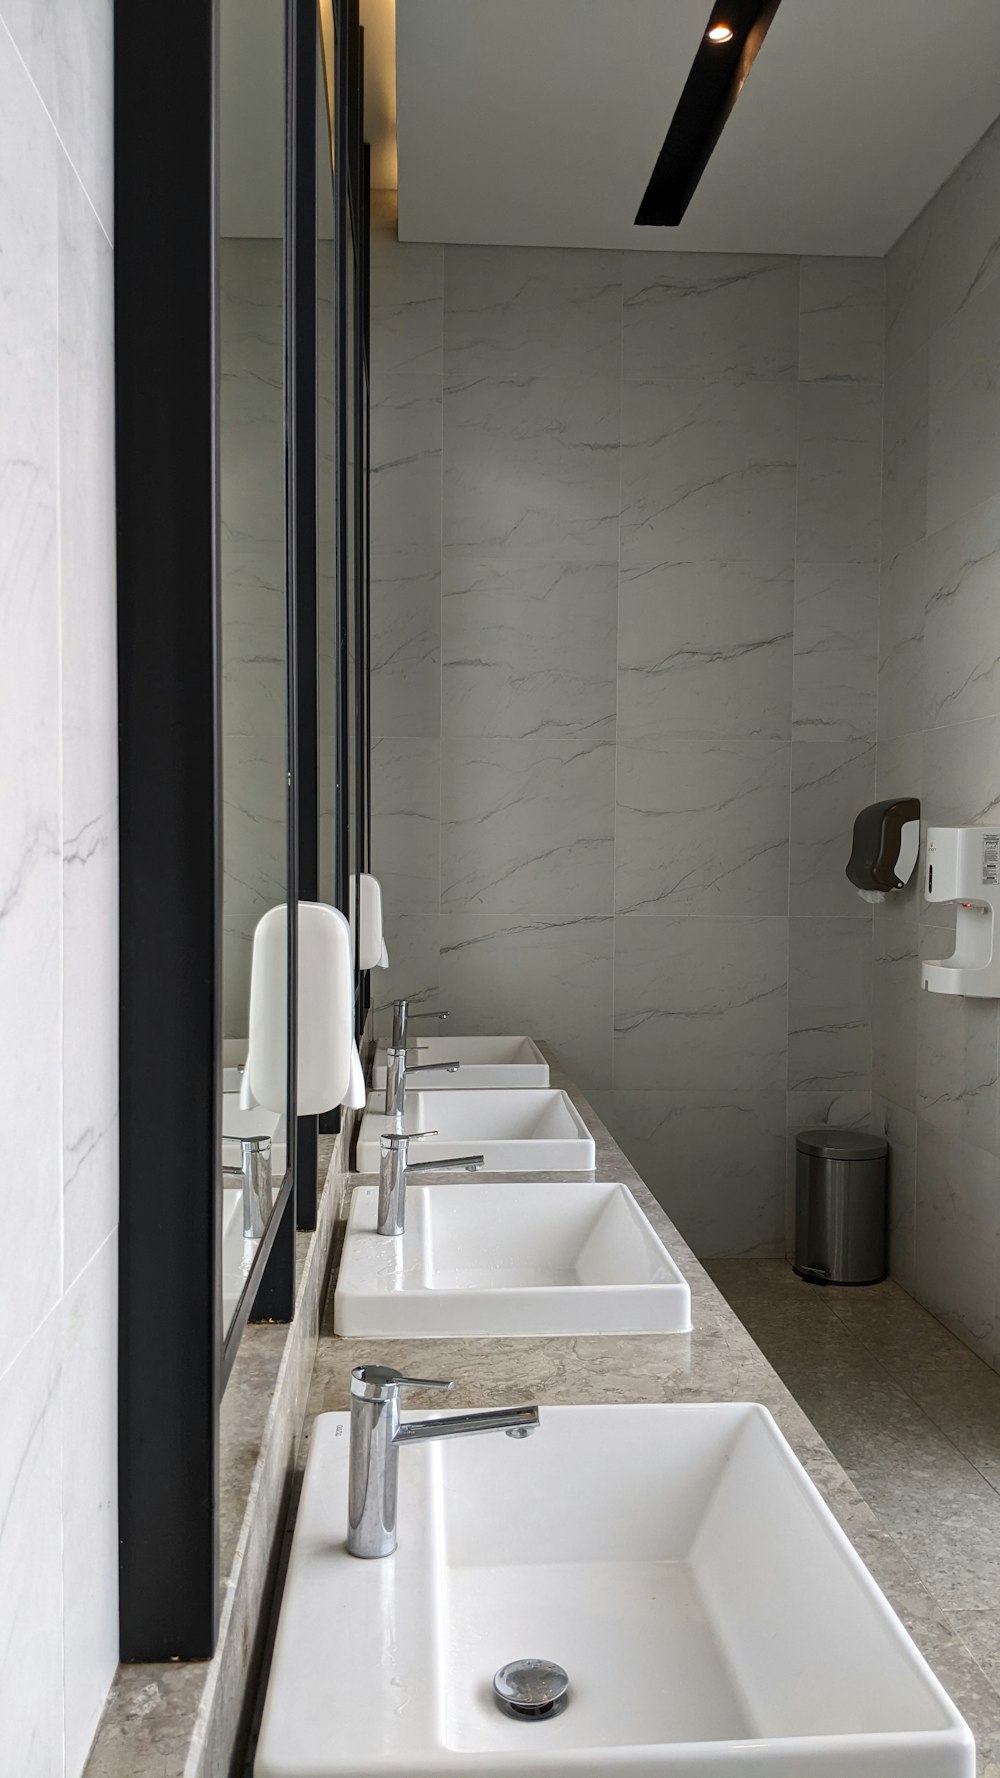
{"points": [[397, 1069], [376, 1435], [255, 1173], [401, 1014], [395, 1168]]}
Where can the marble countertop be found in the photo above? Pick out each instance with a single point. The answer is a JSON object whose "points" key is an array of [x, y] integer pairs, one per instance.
{"points": [[717, 1361]]}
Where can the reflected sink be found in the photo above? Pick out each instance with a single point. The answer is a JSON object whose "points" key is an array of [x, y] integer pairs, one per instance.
{"points": [[257, 1122], [517, 1129], [542, 1257], [675, 1560], [486, 1062]]}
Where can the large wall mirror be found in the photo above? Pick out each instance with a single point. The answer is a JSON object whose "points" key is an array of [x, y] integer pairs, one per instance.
{"points": [[253, 597]]}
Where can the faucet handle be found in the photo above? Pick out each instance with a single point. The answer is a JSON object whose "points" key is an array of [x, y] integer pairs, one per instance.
{"points": [[377, 1382], [397, 1138]]}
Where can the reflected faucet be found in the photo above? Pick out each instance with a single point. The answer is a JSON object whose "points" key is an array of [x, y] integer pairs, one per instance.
{"points": [[376, 1435], [401, 1014], [395, 1168], [397, 1069], [254, 1172]]}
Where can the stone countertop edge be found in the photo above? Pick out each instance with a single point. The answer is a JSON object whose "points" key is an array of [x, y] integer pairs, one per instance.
{"points": [[185, 1719], [717, 1361]]}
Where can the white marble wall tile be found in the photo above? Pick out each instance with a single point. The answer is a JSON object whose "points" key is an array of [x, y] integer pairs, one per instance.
{"points": [[30, 869], [895, 988], [958, 1236], [705, 651], [531, 466], [406, 822], [961, 654], [67, 48], [707, 471], [89, 728], [405, 488], [701, 1000], [31, 1640], [407, 294], [904, 453], [528, 647], [841, 320], [702, 828], [89, 1334], [412, 943], [540, 311], [831, 782], [957, 1073], [961, 773], [839, 479], [552, 978], [948, 255], [901, 1129], [829, 1004], [527, 825], [406, 643], [836, 651], [902, 606], [714, 1160], [963, 443], [715, 316]]}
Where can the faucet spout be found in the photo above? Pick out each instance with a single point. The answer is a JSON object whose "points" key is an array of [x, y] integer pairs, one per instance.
{"points": [[376, 1436]]}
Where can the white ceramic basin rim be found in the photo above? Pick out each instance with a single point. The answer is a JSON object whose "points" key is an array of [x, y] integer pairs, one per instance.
{"points": [[485, 1062], [516, 1129], [675, 1559], [530, 1258]]}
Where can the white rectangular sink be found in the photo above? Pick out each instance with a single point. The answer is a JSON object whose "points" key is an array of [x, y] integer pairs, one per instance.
{"points": [[485, 1062], [538, 1257], [516, 1129], [676, 1560]]}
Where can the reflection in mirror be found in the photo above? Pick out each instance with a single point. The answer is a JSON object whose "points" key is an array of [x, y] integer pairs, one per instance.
{"points": [[326, 498], [253, 605]]}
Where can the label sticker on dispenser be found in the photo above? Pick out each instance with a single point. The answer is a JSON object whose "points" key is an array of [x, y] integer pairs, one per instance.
{"points": [[991, 859]]}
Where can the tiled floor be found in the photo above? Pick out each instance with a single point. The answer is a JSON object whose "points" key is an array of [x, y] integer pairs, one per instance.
{"points": [[911, 1413]]}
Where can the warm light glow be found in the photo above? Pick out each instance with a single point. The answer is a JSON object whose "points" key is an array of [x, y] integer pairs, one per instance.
{"points": [[720, 34]]}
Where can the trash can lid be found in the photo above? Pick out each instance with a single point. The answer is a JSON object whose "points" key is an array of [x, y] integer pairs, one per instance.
{"points": [[842, 1145]]}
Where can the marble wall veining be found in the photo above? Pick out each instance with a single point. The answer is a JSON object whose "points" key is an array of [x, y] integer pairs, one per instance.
{"points": [[935, 1057], [625, 536], [58, 887]]}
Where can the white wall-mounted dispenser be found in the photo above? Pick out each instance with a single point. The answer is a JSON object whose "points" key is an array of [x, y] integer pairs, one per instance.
{"points": [[885, 846], [963, 866], [366, 910], [329, 1071]]}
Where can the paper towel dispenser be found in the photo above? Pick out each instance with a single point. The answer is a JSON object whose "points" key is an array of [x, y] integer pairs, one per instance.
{"points": [[885, 846]]}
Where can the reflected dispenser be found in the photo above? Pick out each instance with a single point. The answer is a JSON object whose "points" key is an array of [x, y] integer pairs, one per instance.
{"points": [[963, 866]]}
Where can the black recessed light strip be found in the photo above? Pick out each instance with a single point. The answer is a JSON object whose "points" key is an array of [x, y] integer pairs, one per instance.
{"points": [[710, 92]]}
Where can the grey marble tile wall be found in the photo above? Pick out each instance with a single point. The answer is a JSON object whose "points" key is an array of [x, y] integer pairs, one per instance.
{"points": [[58, 886], [625, 523], [935, 1058]]}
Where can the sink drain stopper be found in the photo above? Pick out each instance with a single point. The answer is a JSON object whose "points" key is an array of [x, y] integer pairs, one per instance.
{"points": [[531, 1690]]}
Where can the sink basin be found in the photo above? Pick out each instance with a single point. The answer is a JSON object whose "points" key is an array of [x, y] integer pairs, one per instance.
{"points": [[516, 1129], [539, 1257], [486, 1062], [237, 1254], [676, 1560]]}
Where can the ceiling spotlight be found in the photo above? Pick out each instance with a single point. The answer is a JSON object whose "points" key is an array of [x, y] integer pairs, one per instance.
{"points": [[720, 34]]}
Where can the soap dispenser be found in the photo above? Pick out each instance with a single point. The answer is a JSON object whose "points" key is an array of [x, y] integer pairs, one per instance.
{"points": [[963, 866], [885, 846]]}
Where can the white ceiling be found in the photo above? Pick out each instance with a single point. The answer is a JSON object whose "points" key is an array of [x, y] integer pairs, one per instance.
{"points": [[537, 122]]}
